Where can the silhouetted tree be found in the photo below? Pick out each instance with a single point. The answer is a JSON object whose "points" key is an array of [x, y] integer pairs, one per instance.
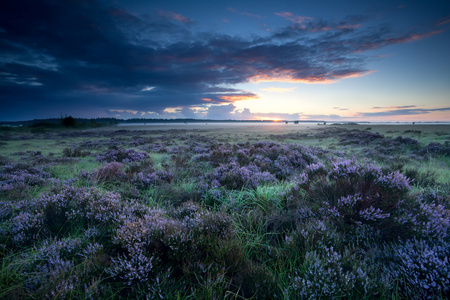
{"points": [[68, 121]]}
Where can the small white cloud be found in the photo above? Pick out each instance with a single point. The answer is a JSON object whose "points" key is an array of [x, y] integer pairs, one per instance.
{"points": [[148, 89]]}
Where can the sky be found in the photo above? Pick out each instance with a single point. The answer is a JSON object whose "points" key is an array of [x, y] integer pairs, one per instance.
{"points": [[261, 60]]}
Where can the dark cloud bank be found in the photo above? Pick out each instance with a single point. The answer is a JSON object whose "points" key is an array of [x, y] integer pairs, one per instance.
{"points": [[86, 58]]}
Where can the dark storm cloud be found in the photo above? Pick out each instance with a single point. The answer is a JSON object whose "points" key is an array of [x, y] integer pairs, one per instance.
{"points": [[82, 56]]}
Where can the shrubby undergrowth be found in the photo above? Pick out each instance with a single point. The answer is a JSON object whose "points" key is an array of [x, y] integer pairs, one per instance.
{"points": [[167, 215]]}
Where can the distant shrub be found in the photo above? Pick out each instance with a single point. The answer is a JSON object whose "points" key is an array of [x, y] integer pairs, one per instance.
{"points": [[435, 149], [406, 141]]}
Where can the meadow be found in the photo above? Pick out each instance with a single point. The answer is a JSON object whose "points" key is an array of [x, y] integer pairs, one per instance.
{"points": [[225, 212]]}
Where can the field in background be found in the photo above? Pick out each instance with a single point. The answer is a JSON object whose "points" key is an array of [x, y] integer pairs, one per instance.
{"points": [[211, 211]]}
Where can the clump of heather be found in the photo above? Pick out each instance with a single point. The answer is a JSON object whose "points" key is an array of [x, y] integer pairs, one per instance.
{"points": [[435, 149], [328, 274], [68, 208], [355, 193], [280, 160], [16, 179], [432, 221], [420, 269], [64, 268], [220, 154], [122, 155], [232, 176], [145, 180], [186, 245]]}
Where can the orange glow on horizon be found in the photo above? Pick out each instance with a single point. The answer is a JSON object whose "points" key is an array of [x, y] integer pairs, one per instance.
{"points": [[237, 97], [267, 119]]}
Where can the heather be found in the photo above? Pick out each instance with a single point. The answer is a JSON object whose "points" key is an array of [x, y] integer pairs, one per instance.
{"points": [[332, 212]]}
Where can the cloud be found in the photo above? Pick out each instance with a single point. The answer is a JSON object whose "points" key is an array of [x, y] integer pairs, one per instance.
{"points": [[90, 57], [443, 21], [244, 13], [174, 16], [393, 107], [377, 40], [238, 97], [339, 108], [147, 89], [293, 18], [404, 111], [303, 24]]}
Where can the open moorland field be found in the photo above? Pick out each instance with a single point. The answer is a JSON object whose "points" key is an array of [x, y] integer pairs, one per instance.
{"points": [[274, 211]]}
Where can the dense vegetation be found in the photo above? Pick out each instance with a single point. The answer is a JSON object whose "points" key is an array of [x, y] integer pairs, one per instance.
{"points": [[328, 213]]}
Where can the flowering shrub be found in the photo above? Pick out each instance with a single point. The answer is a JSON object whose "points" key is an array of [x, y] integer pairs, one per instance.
{"points": [[327, 276], [16, 179], [433, 220], [220, 155], [55, 271], [280, 160], [421, 269], [156, 244], [55, 213], [143, 181], [435, 149], [355, 193], [122, 155], [359, 137], [17, 173], [232, 176]]}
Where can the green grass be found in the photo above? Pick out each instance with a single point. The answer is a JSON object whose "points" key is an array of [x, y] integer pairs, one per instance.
{"points": [[70, 170]]}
